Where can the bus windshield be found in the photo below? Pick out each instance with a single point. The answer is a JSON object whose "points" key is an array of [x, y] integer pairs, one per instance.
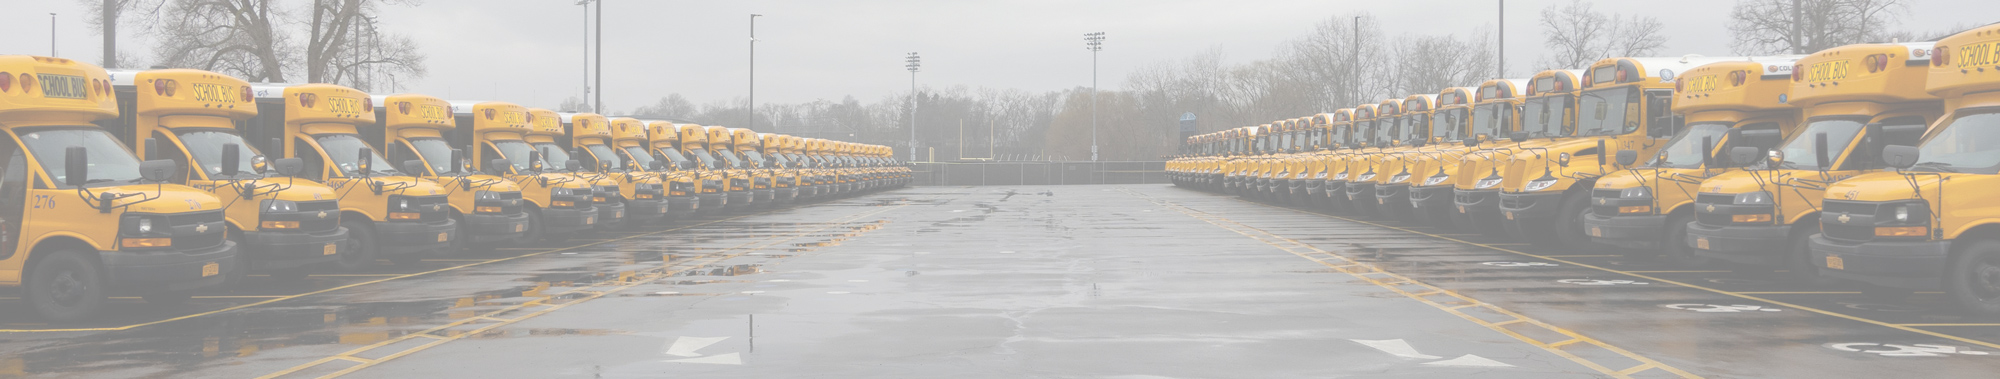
{"points": [[1445, 123], [702, 156], [553, 155], [109, 161], [1840, 132], [1414, 125], [1608, 111], [638, 155], [1962, 144], [605, 156], [1385, 131], [1685, 151], [516, 153], [730, 157], [343, 151], [756, 160], [204, 146], [435, 152], [1543, 117]]}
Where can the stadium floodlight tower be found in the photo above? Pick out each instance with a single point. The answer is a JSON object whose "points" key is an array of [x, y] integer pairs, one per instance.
{"points": [[913, 62], [1094, 42]]}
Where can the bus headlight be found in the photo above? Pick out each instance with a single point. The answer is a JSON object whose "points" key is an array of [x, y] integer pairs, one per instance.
{"points": [[1434, 180], [280, 206], [1635, 193], [1539, 184], [1365, 177], [1399, 178], [1486, 183], [1753, 198], [1340, 176], [485, 195], [141, 225]]}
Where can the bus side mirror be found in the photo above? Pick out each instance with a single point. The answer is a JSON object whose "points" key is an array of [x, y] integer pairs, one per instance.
{"points": [[1627, 157], [1518, 136], [458, 162], [230, 154], [414, 167], [1745, 156], [289, 166], [76, 166], [572, 165], [497, 166], [364, 158], [1819, 151], [157, 170], [152, 148], [1600, 151], [1900, 156], [535, 160]]}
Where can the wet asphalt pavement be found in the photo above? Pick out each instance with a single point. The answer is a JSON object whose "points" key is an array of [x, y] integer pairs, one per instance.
{"points": [[1060, 281]]}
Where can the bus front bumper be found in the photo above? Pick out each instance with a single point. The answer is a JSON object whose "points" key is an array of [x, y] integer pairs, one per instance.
{"points": [[1631, 232], [1745, 244], [568, 220], [1432, 198], [283, 250], [609, 213], [168, 270], [741, 197], [1529, 207], [1360, 191], [643, 211], [683, 203], [1396, 194], [1917, 265], [713, 200], [764, 195], [398, 238], [486, 228]]}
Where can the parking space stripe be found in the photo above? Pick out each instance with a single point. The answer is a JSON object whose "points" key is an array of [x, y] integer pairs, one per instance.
{"points": [[1394, 283]]}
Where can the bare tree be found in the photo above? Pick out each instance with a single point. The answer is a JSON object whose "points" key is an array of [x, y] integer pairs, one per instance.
{"points": [[673, 106], [254, 39], [572, 104], [1578, 35], [1636, 36], [1428, 64], [107, 19], [1806, 26]]}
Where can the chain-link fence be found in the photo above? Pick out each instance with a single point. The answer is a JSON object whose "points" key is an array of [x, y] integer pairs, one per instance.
{"points": [[1038, 173]]}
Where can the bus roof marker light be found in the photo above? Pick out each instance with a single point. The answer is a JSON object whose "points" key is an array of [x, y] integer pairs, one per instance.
{"points": [[367, 104], [306, 100], [6, 82]]}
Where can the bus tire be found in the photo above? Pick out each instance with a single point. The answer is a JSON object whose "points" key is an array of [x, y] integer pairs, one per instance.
{"points": [[1798, 260], [534, 232], [1569, 229], [1675, 247], [1972, 278], [360, 252], [65, 286]]}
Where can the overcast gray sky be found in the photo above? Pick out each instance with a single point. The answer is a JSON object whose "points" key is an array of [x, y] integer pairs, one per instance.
{"points": [[530, 51]]}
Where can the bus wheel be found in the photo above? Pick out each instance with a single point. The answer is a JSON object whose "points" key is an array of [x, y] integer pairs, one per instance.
{"points": [[535, 228], [168, 298], [1974, 278], [65, 286], [1569, 223], [1676, 248], [1798, 260], [360, 252]]}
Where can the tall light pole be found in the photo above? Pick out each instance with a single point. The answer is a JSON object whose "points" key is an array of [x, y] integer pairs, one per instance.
{"points": [[1094, 42], [913, 62], [598, 106], [1354, 70], [52, 34], [586, 51], [753, 71], [1501, 71]]}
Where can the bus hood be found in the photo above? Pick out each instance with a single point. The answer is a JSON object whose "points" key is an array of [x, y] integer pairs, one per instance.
{"points": [[161, 198]]}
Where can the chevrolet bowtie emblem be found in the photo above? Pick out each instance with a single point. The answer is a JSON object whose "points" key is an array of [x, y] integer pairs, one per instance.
{"points": [[1843, 219], [436, 207], [1600, 201], [322, 214], [203, 228], [1711, 208]]}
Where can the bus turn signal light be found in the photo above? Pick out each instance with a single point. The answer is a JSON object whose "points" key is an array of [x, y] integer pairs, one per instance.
{"points": [[561, 204], [278, 225], [1751, 218], [486, 209], [404, 216], [1902, 231], [148, 242], [1636, 209]]}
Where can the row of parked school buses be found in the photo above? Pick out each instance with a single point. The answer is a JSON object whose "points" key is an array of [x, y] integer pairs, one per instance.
{"points": [[1867, 163], [163, 182]]}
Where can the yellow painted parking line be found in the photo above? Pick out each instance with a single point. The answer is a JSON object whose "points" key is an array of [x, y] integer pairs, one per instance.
{"points": [[457, 260], [1303, 250], [411, 275], [1556, 256], [1655, 279], [1799, 292], [1680, 271], [589, 291], [1970, 324], [354, 275]]}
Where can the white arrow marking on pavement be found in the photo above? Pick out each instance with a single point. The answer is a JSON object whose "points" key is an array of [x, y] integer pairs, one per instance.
{"points": [[1470, 360], [686, 346], [725, 359], [1396, 347]]}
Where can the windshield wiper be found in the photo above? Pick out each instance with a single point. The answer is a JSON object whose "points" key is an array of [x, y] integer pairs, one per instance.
{"points": [[1940, 166]]}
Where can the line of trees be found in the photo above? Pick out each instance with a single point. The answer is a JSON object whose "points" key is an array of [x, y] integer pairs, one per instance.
{"points": [[314, 41]]}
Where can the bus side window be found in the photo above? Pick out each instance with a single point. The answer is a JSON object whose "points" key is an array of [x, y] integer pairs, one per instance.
{"points": [[315, 166], [169, 151], [13, 194], [1661, 121]]}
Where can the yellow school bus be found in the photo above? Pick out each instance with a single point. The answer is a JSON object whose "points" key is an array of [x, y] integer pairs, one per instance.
{"points": [[641, 192], [674, 169], [784, 172], [1645, 208], [1760, 218], [1625, 104], [809, 184], [1930, 224], [486, 207], [557, 205], [388, 213], [737, 174], [1376, 124], [745, 143], [1412, 130], [1346, 142], [1429, 184], [577, 127], [713, 190], [1544, 113], [282, 225], [95, 220]]}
